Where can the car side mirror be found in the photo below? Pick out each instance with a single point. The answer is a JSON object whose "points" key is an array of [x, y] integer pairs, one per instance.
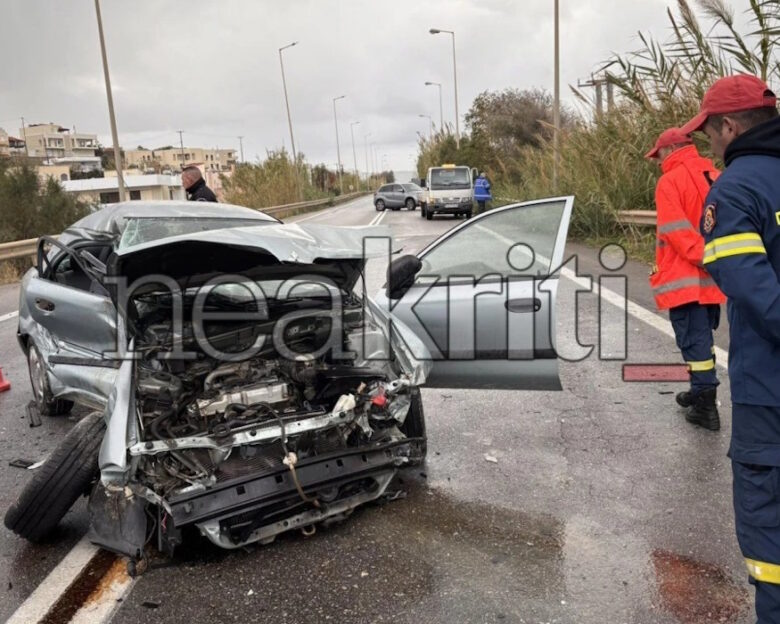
{"points": [[400, 275]]}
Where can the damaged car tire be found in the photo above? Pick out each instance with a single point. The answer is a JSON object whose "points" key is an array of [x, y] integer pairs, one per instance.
{"points": [[46, 403], [414, 427], [65, 475]]}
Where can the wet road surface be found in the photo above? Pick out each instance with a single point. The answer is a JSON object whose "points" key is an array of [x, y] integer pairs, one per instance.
{"points": [[603, 505]]}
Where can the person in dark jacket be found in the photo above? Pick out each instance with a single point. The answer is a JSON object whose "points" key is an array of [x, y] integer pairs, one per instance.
{"points": [[482, 192], [195, 186], [741, 229]]}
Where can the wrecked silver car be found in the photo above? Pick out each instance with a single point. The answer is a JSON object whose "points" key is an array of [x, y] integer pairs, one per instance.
{"points": [[244, 383]]}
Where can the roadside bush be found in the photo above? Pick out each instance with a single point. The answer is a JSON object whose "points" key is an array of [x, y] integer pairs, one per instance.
{"points": [[29, 207]]}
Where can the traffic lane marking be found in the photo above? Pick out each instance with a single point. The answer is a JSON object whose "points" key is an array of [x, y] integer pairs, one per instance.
{"points": [[9, 316]]}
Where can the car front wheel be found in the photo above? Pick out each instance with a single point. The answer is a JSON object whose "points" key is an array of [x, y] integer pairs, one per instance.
{"points": [[65, 475], [380, 205], [39, 380]]}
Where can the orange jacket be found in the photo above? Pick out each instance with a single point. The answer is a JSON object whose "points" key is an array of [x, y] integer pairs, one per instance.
{"points": [[679, 197]]}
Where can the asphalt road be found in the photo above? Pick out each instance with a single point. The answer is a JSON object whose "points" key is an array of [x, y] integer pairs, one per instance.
{"points": [[603, 505]]}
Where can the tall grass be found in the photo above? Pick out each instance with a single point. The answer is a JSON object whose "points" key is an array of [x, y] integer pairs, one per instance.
{"points": [[278, 181]]}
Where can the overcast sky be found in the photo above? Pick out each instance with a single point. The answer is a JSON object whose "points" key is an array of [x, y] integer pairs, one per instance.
{"points": [[211, 68]]}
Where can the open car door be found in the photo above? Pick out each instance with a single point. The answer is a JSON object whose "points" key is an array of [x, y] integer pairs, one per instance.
{"points": [[483, 300]]}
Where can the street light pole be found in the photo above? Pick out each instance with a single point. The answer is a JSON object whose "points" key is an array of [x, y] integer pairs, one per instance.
{"points": [[181, 147], [430, 121], [241, 145], [368, 171], [441, 108], [338, 147], [556, 103], [114, 137], [289, 119], [354, 154], [436, 31]]}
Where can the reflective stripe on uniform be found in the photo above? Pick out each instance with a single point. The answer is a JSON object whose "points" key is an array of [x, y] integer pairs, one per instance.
{"points": [[733, 245], [763, 571], [704, 365], [685, 282], [673, 226]]}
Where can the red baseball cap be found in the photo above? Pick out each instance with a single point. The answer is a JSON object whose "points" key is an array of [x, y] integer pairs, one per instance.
{"points": [[672, 136], [730, 95]]}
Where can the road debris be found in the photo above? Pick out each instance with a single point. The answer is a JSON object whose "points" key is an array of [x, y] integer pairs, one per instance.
{"points": [[490, 458]]}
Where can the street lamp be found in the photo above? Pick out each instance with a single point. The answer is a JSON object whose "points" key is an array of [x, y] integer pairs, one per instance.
{"points": [[441, 109], [354, 156], [338, 147], [436, 31], [289, 119], [114, 137], [368, 170], [430, 120]]}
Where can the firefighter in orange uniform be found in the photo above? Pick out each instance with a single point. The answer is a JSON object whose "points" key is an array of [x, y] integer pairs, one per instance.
{"points": [[679, 282]]}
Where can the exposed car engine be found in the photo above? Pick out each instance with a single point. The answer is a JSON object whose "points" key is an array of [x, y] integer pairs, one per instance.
{"points": [[204, 423]]}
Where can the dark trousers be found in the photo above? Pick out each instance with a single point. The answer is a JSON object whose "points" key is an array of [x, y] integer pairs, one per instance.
{"points": [[480, 206], [693, 325], [757, 503]]}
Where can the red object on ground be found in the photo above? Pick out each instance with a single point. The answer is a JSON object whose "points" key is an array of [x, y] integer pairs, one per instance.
{"points": [[4, 383], [655, 372]]}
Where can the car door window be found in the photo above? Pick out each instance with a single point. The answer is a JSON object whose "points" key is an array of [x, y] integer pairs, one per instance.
{"points": [[507, 242], [67, 271], [383, 189]]}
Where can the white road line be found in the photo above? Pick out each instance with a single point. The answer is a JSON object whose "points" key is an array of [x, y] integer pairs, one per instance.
{"points": [[54, 585], [656, 321], [377, 219], [9, 316]]}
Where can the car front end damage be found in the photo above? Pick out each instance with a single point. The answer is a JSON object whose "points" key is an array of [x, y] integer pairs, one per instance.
{"points": [[314, 423]]}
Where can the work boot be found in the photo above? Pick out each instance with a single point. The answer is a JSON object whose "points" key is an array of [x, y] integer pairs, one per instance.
{"points": [[684, 399], [704, 410]]}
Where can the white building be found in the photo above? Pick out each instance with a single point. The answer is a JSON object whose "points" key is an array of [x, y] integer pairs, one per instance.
{"points": [[106, 190]]}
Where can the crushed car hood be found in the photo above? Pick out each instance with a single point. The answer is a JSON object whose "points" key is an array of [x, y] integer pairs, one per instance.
{"points": [[267, 251]]}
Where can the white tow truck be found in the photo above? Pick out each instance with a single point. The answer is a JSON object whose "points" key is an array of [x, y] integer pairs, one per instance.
{"points": [[449, 189]]}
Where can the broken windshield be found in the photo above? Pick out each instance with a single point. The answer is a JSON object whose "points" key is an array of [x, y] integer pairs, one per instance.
{"points": [[141, 230]]}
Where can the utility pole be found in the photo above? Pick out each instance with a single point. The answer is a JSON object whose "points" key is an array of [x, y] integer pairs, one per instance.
{"points": [[24, 138], [354, 155], [436, 31], [241, 146], [556, 102], [181, 147], [599, 84], [114, 137], [338, 148]]}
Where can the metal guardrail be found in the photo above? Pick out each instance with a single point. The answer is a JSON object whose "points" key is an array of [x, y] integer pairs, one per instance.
{"points": [[18, 249], [637, 217], [27, 248]]}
